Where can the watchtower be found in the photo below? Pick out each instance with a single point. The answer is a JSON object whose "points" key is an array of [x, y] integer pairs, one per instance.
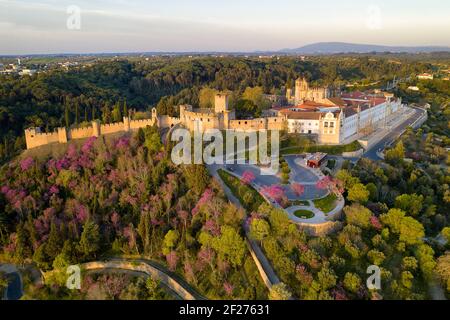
{"points": [[221, 103], [30, 135]]}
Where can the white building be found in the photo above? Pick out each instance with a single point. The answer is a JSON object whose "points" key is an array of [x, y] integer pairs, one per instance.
{"points": [[425, 76], [27, 72], [349, 117]]}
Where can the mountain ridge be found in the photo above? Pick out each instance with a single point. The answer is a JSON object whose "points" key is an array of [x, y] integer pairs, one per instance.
{"points": [[344, 47]]}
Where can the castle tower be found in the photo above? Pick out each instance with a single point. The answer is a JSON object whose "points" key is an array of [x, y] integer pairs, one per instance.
{"points": [[301, 90], [289, 95], [30, 134], [227, 117], [96, 128], [126, 124], [62, 135], [221, 103], [304, 92]]}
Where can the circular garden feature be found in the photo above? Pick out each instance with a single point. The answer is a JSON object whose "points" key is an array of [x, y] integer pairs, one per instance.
{"points": [[304, 214]]}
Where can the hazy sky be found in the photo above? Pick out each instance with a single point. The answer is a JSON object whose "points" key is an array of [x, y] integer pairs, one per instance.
{"points": [[28, 26]]}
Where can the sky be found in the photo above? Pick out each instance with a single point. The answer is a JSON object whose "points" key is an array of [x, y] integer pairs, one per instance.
{"points": [[95, 26]]}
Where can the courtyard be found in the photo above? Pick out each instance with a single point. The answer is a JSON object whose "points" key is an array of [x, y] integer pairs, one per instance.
{"points": [[314, 206]]}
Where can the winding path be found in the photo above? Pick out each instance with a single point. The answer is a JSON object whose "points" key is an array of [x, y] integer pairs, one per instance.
{"points": [[265, 269], [150, 268], [14, 291]]}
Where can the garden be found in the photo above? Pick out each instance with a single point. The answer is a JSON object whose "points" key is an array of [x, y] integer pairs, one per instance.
{"points": [[304, 214]]}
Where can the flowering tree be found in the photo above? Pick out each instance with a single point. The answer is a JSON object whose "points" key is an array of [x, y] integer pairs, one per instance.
{"points": [[248, 177], [275, 192], [375, 222], [172, 260], [324, 183], [205, 198], [333, 185], [212, 227], [228, 287], [298, 189], [205, 256], [189, 272], [26, 164]]}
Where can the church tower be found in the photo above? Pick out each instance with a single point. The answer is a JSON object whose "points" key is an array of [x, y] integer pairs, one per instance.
{"points": [[303, 92]]}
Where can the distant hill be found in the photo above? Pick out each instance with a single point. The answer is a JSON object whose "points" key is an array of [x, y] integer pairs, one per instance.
{"points": [[342, 47]]}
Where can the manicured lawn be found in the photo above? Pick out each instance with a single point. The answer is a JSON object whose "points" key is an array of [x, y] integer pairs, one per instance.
{"points": [[247, 195], [304, 214], [326, 204], [293, 149]]}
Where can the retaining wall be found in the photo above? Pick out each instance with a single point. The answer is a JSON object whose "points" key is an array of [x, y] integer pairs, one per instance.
{"points": [[144, 268]]}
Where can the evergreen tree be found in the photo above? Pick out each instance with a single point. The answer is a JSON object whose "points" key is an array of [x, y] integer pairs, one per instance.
{"points": [[66, 115], [77, 113], [106, 113], [86, 114], [125, 108], [54, 243], [90, 240], [94, 114], [116, 113], [22, 250]]}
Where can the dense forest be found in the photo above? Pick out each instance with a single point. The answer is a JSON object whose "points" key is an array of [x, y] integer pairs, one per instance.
{"points": [[108, 89]]}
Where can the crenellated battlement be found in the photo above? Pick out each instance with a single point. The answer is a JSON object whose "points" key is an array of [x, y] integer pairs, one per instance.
{"points": [[35, 138], [219, 118]]}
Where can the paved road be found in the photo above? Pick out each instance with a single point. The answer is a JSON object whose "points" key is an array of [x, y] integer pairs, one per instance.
{"points": [[299, 175], [259, 255], [175, 283], [14, 290], [392, 136]]}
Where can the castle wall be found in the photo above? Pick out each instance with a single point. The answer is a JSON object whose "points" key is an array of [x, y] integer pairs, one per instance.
{"points": [[80, 133], [205, 120], [276, 123], [112, 128], [36, 139], [270, 123], [168, 122], [137, 124], [255, 124]]}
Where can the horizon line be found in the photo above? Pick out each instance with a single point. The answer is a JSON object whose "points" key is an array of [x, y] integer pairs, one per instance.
{"points": [[283, 51]]}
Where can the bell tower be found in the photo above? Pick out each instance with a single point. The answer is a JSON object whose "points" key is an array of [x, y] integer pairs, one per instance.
{"points": [[301, 90]]}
